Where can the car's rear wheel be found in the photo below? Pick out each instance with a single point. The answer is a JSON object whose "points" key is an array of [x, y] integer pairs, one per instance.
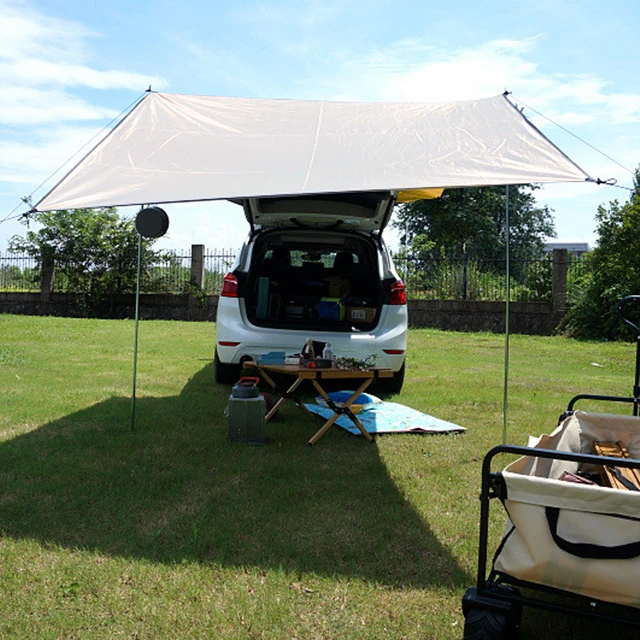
{"points": [[225, 373], [391, 385]]}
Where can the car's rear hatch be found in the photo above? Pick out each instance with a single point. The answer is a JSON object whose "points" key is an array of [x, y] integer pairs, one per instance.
{"points": [[366, 212], [317, 262]]}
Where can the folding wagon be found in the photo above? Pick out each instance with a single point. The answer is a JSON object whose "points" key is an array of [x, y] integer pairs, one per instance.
{"points": [[573, 529]]}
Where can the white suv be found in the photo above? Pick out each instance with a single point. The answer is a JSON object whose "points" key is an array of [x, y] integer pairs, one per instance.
{"points": [[314, 267]]}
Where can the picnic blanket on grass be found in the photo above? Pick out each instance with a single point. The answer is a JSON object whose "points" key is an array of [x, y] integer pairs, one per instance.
{"points": [[390, 417]]}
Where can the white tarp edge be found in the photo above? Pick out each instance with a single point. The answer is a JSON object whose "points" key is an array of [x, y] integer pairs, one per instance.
{"points": [[179, 148]]}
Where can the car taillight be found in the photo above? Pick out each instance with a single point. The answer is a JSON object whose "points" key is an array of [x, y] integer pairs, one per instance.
{"points": [[230, 286], [394, 352], [398, 295]]}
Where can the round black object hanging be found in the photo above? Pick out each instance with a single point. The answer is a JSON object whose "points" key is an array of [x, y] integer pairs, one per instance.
{"points": [[152, 222]]}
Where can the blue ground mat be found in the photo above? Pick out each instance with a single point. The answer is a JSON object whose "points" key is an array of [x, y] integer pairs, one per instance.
{"points": [[390, 417]]}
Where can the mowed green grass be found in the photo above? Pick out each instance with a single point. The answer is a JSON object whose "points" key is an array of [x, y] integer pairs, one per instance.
{"points": [[171, 531]]}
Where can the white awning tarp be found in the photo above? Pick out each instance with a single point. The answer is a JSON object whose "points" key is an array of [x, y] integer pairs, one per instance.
{"points": [[180, 148]]}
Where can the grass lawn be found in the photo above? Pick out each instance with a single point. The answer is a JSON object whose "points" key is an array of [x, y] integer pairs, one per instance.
{"points": [[173, 531]]}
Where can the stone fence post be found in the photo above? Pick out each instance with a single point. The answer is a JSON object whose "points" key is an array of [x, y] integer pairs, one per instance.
{"points": [[197, 264], [560, 260], [197, 277]]}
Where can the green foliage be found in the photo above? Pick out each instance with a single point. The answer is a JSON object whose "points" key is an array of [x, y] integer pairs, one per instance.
{"points": [[420, 264], [454, 247], [94, 252], [13, 278], [10, 275], [213, 281], [354, 364], [613, 272], [197, 292], [167, 276], [472, 221], [429, 274], [538, 281]]}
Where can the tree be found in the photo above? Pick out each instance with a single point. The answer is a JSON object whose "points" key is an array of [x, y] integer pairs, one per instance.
{"points": [[472, 221], [12, 277], [613, 271], [95, 250]]}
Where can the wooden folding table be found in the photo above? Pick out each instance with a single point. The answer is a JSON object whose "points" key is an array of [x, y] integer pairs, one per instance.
{"points": [[316, 376]]}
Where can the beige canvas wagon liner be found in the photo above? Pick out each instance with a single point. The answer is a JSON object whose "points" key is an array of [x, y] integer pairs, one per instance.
{"points": [[580, 538]]}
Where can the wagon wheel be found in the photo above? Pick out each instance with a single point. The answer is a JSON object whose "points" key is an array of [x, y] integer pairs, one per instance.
{"points": [[485, 624]]}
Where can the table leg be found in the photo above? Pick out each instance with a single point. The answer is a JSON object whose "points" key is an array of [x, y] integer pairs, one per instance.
{"points": [[268, 378], [285, 396], [345, 409]]}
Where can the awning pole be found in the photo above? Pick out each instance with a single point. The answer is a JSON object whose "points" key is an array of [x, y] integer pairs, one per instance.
{"points": [[506, 322]]}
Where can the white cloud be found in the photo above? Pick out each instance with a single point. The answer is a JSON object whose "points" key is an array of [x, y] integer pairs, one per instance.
{"points": [[32, 106], [581, 88], [36, 72], [41, 58], [44, 63], [47, 150], [411, 71], [625, 108], [25, 32]]}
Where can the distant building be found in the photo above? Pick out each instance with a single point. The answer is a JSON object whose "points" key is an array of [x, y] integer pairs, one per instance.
{"points": [[574, 248]]}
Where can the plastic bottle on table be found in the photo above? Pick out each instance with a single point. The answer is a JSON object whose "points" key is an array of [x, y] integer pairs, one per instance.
{"points": [[327, 352]]}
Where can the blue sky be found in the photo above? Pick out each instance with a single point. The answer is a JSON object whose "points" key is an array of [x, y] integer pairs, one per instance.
{"points": [[68, 68]]}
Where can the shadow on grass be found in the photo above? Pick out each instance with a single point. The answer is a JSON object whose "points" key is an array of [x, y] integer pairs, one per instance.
{"points": [[177, 490]]}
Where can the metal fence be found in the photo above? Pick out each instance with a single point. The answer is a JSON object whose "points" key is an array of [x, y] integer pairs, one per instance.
{"points": [[19, 273], [172, 273], [216, 265], [465, 279], [441, 279]]}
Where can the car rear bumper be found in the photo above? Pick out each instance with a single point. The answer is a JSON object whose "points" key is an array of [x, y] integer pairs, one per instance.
{"points": [[239, 340]]}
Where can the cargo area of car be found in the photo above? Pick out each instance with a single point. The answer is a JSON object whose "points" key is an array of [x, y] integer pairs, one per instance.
{"points": [[327, 281]]}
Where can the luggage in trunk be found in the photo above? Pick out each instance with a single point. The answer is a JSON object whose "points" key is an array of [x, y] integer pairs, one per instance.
{"points": [[316, 288]]}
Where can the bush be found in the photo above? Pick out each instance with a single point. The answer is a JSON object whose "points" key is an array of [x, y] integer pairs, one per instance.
{"points": [[613, 272]]}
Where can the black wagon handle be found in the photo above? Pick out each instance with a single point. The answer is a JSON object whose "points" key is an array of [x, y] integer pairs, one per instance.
{"points": [[621, 305], [586, 549]]}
